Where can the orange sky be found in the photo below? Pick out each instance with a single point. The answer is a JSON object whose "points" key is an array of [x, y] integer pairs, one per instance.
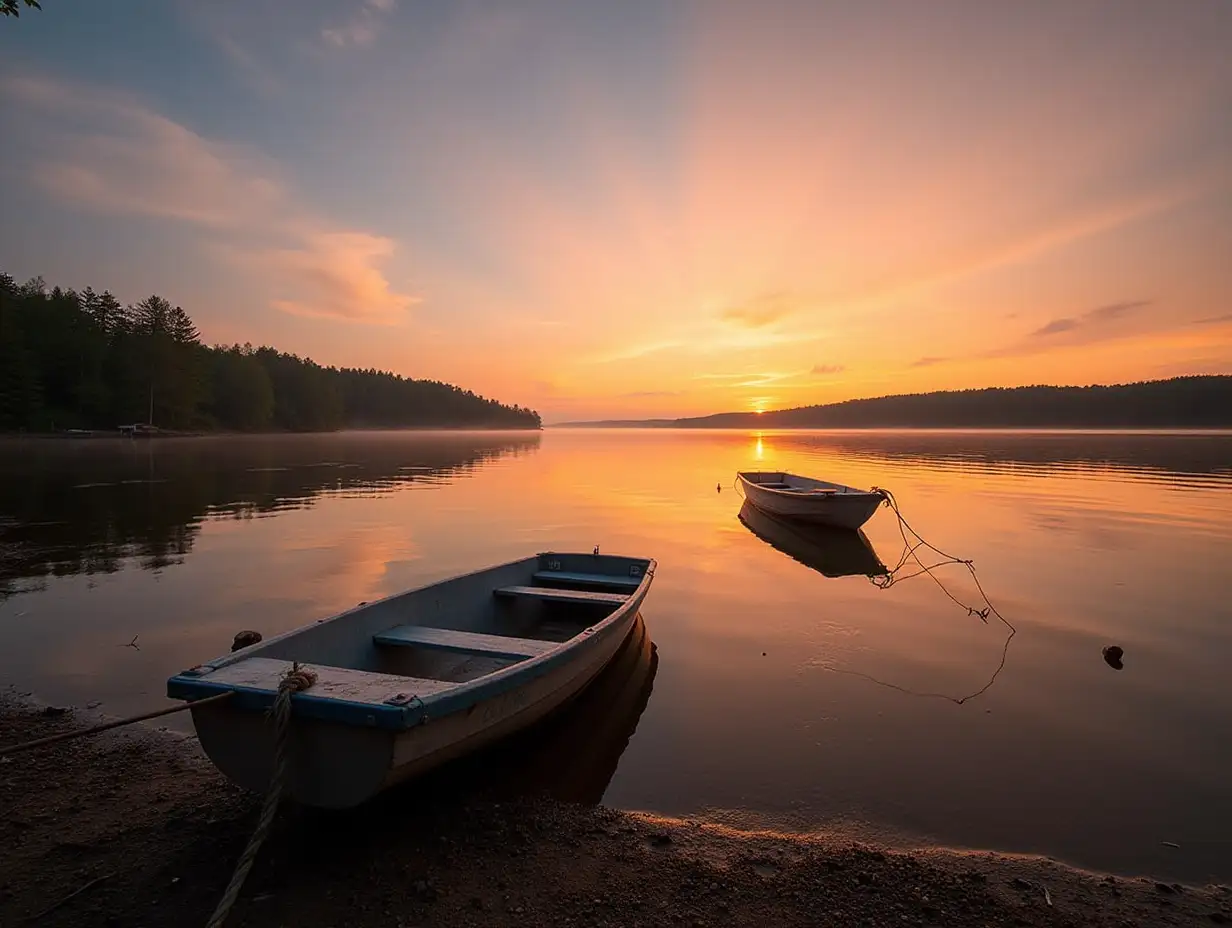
{"points": [[663, 210]]}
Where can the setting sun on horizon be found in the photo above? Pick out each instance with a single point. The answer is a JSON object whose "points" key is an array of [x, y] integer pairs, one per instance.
{"points": [[658, 210]]}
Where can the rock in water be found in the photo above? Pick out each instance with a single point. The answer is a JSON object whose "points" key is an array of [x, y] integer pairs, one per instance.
{"points": [[1112, 657]]}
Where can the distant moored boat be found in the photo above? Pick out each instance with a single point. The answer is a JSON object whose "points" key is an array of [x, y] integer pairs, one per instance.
{"points": [[794, 497]]}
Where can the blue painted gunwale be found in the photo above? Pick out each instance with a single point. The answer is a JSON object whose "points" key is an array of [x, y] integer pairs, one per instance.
{"points": [[419, 710]]}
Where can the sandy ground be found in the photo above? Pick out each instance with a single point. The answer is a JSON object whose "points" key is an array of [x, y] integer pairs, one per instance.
{"points": [[135, 827]]}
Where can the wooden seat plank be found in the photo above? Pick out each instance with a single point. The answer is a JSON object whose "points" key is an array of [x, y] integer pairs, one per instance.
{"points": [[564, 596], [609, 580], [448, 639]]}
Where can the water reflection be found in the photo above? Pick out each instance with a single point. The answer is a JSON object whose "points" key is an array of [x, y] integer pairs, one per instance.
{"points": [[832, 552], [1151, 454], [70, 508], [573, 755]]}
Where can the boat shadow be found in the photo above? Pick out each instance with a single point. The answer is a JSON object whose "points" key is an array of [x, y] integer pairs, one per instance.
{"points": [[832, 552]]}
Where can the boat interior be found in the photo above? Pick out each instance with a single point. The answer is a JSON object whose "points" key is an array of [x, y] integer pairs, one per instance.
{"points": [[442, 635], [779, 480]]}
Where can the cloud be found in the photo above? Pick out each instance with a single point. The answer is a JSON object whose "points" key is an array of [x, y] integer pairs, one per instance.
{"points": [[648, 394], [1115, 310], [928, 362], [760, 311], [110, 153], [335, 276], [1099, 314], [1100, 324], [362, 28], [1057, 326], [1213, 320], [828, 368]]}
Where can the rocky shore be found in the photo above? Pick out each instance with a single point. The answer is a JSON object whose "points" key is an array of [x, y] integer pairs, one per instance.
{"points": [[135, 827]]}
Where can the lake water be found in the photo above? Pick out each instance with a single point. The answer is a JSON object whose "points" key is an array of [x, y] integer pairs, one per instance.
{"points": [[776, 696]]}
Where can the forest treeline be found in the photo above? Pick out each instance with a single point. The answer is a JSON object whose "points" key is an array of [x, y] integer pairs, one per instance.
{"points": [[1182, 402], [1198, 402], [82, 359]]}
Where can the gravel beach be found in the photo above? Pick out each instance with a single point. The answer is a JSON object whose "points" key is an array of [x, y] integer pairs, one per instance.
{"points": [[135, 827]]}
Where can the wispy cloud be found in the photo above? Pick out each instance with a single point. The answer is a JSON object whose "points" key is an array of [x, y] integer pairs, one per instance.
{"points": [[1057, 326], [111, 153], [1214, 320], [1115, 310], [759, 311], [1096, 316], [362, 27], [828, 369], [928, 361], [650, 394], [335, 275]]}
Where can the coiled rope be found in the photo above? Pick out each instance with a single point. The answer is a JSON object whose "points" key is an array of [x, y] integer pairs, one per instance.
{"points": [[295, 680]]}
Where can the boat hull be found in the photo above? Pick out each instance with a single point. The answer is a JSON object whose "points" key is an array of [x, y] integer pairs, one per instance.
{"points": [[337, 765], [840, 510]]}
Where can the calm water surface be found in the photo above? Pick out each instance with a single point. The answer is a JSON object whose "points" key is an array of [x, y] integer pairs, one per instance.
{"points": [[786, 690]]}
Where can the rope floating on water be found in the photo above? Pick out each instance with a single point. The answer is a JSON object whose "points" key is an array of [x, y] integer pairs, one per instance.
{"points": [[295, 680], [911, 552], [95, 729]]}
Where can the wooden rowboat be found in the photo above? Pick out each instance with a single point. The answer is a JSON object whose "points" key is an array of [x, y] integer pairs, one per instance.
{"points": [[790, 496], [832, 552], [419, 678]]}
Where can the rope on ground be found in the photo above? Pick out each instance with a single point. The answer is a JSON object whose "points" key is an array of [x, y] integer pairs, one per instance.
{"points": [[913, 541], [95, 729], [293, 681]]}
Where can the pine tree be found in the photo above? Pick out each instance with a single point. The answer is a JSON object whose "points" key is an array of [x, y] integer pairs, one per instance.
{"points": [[180, 327], [152, 316]]}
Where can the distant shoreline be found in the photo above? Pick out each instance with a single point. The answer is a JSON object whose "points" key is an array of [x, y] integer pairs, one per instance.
{"points": [[96, 434], [990, 429], [1202, 402]]}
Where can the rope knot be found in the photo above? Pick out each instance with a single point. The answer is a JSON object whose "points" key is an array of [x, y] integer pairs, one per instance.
{"points": [[297, 679]]}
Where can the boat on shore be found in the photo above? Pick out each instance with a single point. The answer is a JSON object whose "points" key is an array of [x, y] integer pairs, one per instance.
{"points": [[832, 552], [406, 683], [791, 496]]}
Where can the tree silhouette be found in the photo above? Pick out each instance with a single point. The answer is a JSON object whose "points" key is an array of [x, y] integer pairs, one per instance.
{"points": [[83, 360], [12, 8]]}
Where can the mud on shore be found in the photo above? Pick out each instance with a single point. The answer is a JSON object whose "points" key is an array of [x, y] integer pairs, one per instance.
{"points": [[135, 827]]}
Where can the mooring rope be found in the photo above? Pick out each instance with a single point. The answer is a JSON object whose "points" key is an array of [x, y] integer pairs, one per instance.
{"points": [[911, 552], [107, 726], [295, 680]]}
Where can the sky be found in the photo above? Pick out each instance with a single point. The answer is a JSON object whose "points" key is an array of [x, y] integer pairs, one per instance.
{"points": [[642, 209]]}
